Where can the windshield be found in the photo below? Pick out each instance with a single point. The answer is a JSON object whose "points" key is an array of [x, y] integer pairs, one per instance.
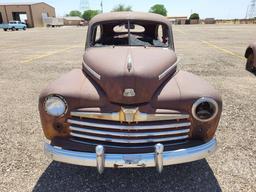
{"points": [[130, 33]]}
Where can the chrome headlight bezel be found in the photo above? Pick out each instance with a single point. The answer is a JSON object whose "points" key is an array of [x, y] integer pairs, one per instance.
{"points": [[59, 100], [205, 100]]}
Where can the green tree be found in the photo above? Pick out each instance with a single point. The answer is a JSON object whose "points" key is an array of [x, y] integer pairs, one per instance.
{"points": [[89, 14], [194, 16], [158, 9], [121, 7], [75, 13]]}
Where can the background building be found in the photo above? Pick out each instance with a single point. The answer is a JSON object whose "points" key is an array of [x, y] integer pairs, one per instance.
{"points": [[178, 20], [73, 20], [209, 21], [31, 13]]}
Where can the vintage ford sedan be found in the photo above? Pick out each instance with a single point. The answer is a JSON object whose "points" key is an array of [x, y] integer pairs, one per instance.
{"points": [[250, 55], [129, 106]]}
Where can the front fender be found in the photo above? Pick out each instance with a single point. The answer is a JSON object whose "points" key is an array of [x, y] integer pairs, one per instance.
{"points": [[180, 93], [78, 90]]}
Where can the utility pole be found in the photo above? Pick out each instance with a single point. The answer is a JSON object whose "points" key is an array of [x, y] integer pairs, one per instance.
{"points": [[251, 10], [101, 5]]}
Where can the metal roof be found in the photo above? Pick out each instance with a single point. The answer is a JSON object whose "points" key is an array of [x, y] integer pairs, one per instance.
{"points": [[129, 16], [23, 3]]}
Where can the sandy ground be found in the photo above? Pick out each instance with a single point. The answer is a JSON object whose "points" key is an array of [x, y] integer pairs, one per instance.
{"points": [[29, 60]]}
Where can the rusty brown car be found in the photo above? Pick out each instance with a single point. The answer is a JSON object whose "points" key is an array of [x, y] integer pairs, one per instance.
{"points": [[129, 106], [250, 55]]}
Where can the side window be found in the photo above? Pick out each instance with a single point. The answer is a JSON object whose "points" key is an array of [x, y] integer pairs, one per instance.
{"points": [[163, 35], [97, 34]]}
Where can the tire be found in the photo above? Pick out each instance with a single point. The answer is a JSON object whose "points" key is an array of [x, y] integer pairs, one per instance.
{"points": [[5, 29], [250, 62], [13, 29], [24, 28]]}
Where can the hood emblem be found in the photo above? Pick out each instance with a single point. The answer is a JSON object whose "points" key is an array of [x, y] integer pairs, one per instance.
{"points": [[129, 63], [129, 93]]}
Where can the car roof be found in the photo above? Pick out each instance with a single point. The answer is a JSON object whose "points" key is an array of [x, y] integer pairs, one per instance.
{"points": [[129, 16]]}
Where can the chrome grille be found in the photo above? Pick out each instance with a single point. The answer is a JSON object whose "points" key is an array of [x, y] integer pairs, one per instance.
{"points": [[98, 130]]}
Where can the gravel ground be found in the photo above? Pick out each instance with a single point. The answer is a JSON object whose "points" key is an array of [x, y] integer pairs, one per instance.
{"points": [[30, 60]]}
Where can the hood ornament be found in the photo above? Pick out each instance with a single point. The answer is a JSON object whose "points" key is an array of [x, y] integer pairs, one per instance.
{"points": [[129, 63]]}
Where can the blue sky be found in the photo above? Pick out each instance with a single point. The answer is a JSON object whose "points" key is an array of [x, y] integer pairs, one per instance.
{"points": [[206, 8]]}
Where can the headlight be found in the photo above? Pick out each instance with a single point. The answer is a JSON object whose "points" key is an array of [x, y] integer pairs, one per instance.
{"points": [[55, 105], [205, 109]]}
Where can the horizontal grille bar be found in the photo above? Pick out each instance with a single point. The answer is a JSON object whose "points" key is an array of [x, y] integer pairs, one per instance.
{"points": [[138, 116], [151, 140], [129, 127], [125, 134]]}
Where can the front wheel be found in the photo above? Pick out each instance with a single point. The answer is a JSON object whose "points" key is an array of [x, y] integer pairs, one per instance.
{"points": [[5, 29], [249, 64], [24, 28], [13, 29]]}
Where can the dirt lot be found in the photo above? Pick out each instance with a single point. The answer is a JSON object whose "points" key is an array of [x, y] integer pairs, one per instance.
{"points": [[30, 60]]}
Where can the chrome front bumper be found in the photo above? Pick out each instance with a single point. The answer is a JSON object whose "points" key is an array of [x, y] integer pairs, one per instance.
{"points": [[157, 159]]}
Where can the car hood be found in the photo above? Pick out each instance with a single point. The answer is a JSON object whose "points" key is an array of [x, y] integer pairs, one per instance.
{"points": [[129, 75]]}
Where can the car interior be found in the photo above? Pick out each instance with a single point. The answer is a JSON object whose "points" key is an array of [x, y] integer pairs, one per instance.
{"points": [[130, 33]]}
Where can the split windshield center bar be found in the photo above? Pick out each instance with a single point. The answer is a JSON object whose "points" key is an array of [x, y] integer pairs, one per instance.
{"points": [[129, 32]]}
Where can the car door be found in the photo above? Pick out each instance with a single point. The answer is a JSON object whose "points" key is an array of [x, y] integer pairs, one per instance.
{"points": [[19, 25], [11, 25]]}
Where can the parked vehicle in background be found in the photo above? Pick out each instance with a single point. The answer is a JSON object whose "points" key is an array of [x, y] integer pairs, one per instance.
{"points": [[129, 106], [13, 25], [53, 22], [250, 54]]}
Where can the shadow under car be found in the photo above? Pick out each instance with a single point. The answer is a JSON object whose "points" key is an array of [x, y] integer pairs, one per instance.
{"points": [[195, 176]]}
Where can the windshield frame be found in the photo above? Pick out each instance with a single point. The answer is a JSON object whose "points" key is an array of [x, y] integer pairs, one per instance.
{"points": [[91, 29]]}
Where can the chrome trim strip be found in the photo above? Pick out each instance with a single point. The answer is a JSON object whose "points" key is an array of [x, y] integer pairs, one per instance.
{"points": [[128, 134], [138, 117], [95, 115], [94, 73], [122, 140], [131, 160], [162, 75], [129, 127]]}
